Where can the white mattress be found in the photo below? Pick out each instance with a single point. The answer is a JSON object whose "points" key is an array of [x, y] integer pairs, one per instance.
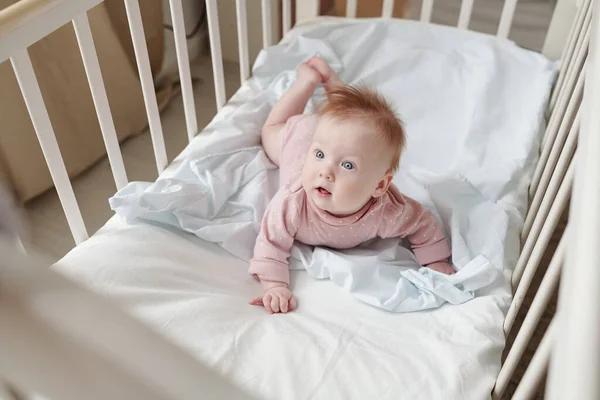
{"points": [[332, 347]]}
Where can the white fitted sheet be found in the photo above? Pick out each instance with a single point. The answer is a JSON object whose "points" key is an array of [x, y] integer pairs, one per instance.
{"points": [[332, 347]]}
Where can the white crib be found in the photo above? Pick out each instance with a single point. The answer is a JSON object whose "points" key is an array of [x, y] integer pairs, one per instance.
{"points": [[39, 324]]}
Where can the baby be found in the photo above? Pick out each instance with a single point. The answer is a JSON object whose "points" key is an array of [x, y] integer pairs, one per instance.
{"points": [[336, 170]]}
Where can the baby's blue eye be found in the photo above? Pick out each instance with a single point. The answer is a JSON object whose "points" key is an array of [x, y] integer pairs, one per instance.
{"points": [[319, 154], [348, 165]]}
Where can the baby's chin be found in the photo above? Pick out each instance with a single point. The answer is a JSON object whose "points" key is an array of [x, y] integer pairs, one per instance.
{"points": [[325, 204], [336, 211]]}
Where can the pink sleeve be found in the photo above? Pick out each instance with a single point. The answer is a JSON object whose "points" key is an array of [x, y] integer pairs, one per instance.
{"points": [[296, 138], [275, 240], [409, 219]]}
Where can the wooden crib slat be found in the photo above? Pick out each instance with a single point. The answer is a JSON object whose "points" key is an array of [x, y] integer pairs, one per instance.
{"points": [[387, 11], [5, 391], [576, 358], [19, 245], [544, 224], [555, 174], [266, 23], [577, 31], [242, 29], [525, 283], [466, 9], [543, 294], [506, 19], [40, 350], [572, 71], [23, 23], [215, 51], [87, 49], [534, 314], [426, 9], [562, 151], [32, 95], [132, 8], [287, 15], [567, 102], [537, 367], [183, 62], [351, 8], [551, 149], [540, 301], [103, 352], [564, 25], [11, 228]]}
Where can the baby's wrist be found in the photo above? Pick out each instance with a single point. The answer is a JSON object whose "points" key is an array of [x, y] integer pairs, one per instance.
{"points": [[272, 284], [305, 84]]}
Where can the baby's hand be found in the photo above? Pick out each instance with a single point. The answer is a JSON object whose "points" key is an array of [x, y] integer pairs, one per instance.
{"points": [[442, 267], [276, 298], [305, 74], [316, 71], [328, 75]]}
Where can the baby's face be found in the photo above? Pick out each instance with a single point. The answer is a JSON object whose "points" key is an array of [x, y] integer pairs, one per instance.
{"points": [[345, 166]]}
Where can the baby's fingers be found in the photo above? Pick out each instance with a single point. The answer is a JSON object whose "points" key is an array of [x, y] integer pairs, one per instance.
{"points": [[293, 305], [275, 303], [327, 73], [267, 300], [258, 301], [283, 303]]}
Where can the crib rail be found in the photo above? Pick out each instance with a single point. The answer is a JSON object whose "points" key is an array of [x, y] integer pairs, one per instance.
{"points": [[28, 21], [573, 372], [426, 10], [85, 40], [113, 363], [466, 9], [555, 38], [550, 192], [138, 39]]}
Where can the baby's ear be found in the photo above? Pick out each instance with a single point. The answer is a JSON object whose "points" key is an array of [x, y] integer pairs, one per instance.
{"points": [[384, 184]]}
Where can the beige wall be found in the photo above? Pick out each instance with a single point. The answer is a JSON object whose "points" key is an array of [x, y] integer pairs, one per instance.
{"points": [[228, 28]]}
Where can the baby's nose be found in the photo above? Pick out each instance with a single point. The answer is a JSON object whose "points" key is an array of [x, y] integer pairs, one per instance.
{"points": [[326, 174]]}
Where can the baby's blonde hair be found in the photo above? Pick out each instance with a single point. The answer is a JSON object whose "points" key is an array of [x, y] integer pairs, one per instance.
{"points": [[360, 103]]}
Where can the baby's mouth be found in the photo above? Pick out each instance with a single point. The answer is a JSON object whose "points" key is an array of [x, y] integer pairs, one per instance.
{"points": [[323, 192]]}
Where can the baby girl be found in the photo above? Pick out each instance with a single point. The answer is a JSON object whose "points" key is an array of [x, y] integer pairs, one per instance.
{"points": [[336, 170]]}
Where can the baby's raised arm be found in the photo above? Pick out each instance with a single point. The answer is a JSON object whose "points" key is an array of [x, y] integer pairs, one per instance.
{"points": [[309, 75]]}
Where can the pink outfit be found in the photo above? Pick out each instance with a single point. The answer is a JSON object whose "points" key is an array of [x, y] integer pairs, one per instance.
{"points": [[291, 215]]}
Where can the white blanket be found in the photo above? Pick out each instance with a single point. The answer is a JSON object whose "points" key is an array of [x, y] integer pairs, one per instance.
{"points": [[473, 109]]}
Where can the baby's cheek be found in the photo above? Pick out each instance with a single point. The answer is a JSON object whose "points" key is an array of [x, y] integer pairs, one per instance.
{"points": [[357, 190], [307, 170]]}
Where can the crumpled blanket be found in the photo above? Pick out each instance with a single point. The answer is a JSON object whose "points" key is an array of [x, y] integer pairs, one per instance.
{"points": [[473, 108]]}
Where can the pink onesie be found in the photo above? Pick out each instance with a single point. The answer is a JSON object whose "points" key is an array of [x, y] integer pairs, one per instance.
{"points": [[291, 215]]}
